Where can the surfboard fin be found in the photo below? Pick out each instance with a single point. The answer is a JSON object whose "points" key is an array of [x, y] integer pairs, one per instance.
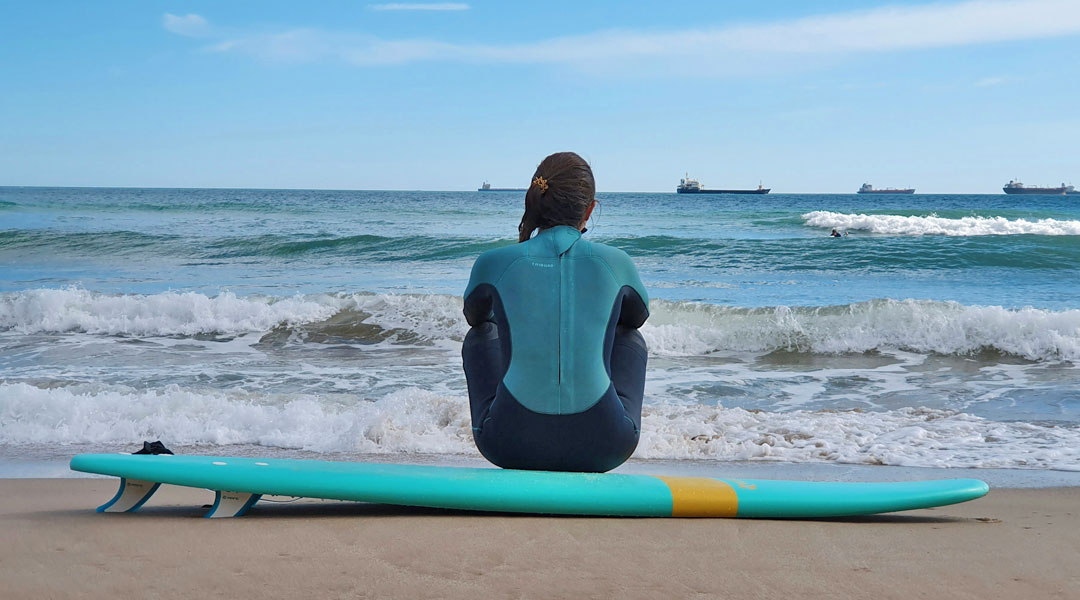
{"points": [[231, 504], [133, 493]]}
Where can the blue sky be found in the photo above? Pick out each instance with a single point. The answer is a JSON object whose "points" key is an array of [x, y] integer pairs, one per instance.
{"points": [[819, 96]]}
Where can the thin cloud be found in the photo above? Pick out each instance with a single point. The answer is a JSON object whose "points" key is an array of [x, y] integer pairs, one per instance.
{"points": [[718, 50], [433, 6], [190, 24], [990, 81]]}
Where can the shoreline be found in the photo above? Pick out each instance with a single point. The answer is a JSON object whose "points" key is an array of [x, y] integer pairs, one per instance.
{"points": [[1013, 543]]}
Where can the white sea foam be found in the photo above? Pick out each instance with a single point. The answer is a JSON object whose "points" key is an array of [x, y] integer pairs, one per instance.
{"points": [[674, 329], [915, 437], [934, 225], [416, 421], [924, 326], [429, 316], [168, 313], [193, 313], [409, 420]]}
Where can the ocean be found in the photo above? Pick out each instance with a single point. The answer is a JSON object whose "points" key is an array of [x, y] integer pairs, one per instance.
{"points": [[943, 331]]}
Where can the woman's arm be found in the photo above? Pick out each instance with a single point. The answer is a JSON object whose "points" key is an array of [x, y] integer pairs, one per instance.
{"points": [[635, 309], [635, 300], [478, 305], [478, 293]]}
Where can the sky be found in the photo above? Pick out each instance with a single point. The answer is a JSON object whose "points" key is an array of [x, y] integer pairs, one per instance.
{"points": [[803, 97]]}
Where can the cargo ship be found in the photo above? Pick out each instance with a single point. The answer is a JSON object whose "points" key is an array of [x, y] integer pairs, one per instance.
{"points": [[693, 186], [1015, 187], [869, 189], [487, 188]]}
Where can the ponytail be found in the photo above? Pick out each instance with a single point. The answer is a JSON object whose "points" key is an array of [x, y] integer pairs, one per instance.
{"points": [[561, 192], [531, 219]]}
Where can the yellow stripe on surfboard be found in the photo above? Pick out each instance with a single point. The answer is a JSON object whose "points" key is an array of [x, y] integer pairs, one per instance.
{"points": [[701, 497]]}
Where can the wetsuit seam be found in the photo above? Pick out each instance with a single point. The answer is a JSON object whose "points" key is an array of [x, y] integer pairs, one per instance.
{"points": [[506, 269], [609, 269], [511, 395], [484, 422]]}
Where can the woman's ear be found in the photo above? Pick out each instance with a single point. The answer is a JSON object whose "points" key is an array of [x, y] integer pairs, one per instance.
{"points": [[588, 213]]}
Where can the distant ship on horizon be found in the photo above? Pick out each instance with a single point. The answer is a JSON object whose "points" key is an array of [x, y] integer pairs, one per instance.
{"points": [[1015, 187], [487, 188], [693, 186], [869, 189]]}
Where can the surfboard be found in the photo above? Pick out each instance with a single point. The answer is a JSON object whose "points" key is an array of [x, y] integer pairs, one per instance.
{"points": [[240, 482]]}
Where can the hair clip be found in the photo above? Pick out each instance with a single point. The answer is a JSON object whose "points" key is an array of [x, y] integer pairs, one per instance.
{"points": [[541, 183]]}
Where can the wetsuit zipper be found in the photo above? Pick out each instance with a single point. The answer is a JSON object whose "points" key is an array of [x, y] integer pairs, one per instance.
{"points": [[562, 285]]}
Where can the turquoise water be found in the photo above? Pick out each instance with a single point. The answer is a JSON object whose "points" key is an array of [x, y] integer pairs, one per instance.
{"points": [[940, 331], [745, 251]]}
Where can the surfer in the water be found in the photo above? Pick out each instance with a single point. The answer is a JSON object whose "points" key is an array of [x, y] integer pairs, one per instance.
{"points": [[554, 362]]}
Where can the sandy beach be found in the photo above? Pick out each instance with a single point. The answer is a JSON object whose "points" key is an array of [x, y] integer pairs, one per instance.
{"points": [[1014, 543], [767, 243]]}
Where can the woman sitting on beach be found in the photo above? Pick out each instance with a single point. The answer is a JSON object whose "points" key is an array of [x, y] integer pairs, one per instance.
{"points": [[554, 362]]}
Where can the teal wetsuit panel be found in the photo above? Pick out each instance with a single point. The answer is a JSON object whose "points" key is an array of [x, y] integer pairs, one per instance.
{"points": [[559, 293]]}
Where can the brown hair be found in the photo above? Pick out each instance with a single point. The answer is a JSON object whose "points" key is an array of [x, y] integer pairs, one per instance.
{"points": [[561, 192]]}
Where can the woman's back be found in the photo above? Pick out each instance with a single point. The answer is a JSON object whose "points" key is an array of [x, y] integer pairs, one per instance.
{"points": [[561, 298]]}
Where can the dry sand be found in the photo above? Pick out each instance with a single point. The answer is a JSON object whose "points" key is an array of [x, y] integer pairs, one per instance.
{"points": [[1022, 544]]}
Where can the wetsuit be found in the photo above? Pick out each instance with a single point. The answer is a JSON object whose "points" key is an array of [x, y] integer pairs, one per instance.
{"points": [[554, 362]]}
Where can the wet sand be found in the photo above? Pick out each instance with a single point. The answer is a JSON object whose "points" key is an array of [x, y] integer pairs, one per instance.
{"points": [[1014, 543]]}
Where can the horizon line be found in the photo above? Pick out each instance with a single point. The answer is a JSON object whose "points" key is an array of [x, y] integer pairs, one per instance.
{"points": [[471, 190]]}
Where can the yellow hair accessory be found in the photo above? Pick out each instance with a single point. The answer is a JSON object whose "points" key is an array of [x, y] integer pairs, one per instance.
{"points": [[541, 183]]}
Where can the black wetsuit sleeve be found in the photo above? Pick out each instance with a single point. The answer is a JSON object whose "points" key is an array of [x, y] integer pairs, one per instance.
{"points": [[478, 294], [478, 305], [634, 310]]}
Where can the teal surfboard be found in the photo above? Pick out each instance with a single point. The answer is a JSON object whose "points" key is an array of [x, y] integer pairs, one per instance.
{"points": [[239, 483]]}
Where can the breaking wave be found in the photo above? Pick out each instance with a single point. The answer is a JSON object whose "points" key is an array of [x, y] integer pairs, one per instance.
{"points": [[923, 326], [165, 314], [934, 225], [675, 328]]}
